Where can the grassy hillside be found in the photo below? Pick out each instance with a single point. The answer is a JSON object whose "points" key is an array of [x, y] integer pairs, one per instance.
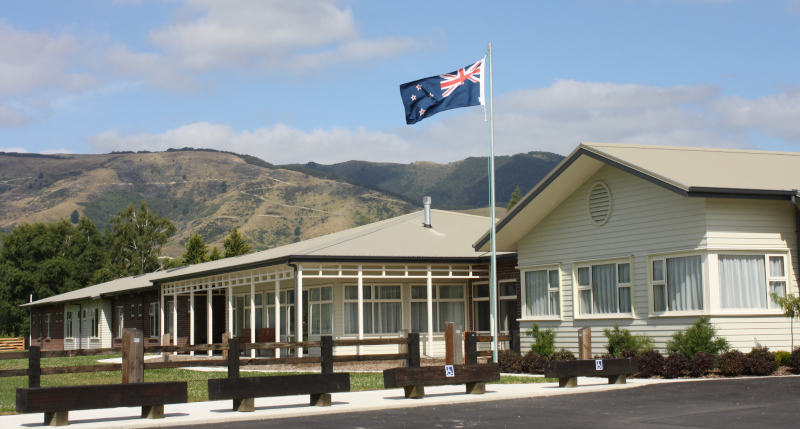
{"points": [[457, 185], [200, 191]]}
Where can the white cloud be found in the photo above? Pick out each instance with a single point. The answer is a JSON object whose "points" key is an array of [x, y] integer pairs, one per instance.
{"points": [[777, 115], [213, 34], [55, 151], [14, 150], [12, 116]]}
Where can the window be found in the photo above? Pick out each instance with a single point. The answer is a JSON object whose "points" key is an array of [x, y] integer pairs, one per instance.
{"points": [[677, 284], [120, 320], [507, 306], [605, 288], [47, 325], [448, 306], [154, 319], [747, 281], [68, 324], [383, 309], [140, 310], [171, 319], [320, 303], [133, 311], [542, 296], [95, 322]]}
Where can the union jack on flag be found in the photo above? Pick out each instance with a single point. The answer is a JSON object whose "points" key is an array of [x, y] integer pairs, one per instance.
{"points": [[426, 97]]}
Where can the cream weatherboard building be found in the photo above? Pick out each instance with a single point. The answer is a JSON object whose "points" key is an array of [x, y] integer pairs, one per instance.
{"points": [[369, 281], [651, 238]]}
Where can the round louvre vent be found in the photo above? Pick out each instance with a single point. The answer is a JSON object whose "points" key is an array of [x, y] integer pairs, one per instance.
{"points": [[599, 203]]}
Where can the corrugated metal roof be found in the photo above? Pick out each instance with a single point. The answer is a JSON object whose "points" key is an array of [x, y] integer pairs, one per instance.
{"points": [[403, 237], [686, 170]]}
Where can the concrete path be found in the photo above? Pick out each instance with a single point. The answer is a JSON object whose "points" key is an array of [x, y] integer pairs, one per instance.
{"points": [[293, 406]]}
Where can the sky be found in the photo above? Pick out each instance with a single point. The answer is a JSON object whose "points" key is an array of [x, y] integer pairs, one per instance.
{"points": [[318, 80]]}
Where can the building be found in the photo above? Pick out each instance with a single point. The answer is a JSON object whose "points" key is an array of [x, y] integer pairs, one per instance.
{"points": [[367, 282], [651, 238]]}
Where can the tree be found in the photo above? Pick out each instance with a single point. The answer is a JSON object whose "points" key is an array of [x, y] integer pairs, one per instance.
{"points": [[215, 254], [196, 250], [75, 217], [235, 244], [791, 309], [135, 241], [515, 197], [44, 260]]}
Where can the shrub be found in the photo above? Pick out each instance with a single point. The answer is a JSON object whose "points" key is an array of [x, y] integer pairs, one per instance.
{"points": [[621, 339], [759, 362], [629, 353], [701, 336], [701, 364], [783, 358], [674, 365], [531, 363], [732, 363], [563, 354], [544, 340], [508, 360], [796, 359], [651, 363]]}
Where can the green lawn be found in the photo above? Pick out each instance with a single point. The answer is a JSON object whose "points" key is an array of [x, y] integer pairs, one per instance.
{"points": [[197, 380]]}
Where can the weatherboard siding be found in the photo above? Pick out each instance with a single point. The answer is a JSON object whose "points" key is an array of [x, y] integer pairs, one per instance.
{"points": [[647, 220]]}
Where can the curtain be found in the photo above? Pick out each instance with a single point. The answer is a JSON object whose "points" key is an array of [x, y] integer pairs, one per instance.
{"points": [[419, 316], [604, 288], [742, 281], [326, 327], [536, 292], [684, 283], [351, 318], [508, 314], [776, 266], [450, 312], [778, 288], [624, 300], [555, 307], [388, 317], [586, 301]]}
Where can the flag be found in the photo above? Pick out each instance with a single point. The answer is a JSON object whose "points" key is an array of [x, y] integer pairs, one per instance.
{"points": [[427, 97]]}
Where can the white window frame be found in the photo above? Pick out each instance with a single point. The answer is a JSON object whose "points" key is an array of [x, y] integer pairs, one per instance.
{"points": [[526, 316], [315, 307], [371, 302], [133, 311], [47, 325], [487, 298], [772, 308], [438, 324], [154, 325], [120, 321], [68, 328], [578, 288], [95, 322], [140, 310], [704, 288]]}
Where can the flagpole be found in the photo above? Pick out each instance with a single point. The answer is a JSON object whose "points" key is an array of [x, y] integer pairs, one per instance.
{"points": [[493, 264]]}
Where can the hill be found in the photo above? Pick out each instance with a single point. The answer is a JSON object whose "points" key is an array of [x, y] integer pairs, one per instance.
{"points": [[454, 186], [199, 190]]}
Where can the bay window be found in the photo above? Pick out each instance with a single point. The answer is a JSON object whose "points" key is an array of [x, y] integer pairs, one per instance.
{"points": [[747, 281]]}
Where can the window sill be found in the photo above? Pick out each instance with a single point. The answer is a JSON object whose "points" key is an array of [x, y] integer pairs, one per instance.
{"points": [[604, 316], [741, 312], [539, 318], [679, 314]]}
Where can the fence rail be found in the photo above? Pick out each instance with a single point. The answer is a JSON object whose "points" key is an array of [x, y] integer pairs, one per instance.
{"points": [[12, 344]]}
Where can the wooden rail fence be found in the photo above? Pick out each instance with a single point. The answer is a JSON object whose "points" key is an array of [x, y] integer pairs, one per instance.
{"points": [[11, 344]]}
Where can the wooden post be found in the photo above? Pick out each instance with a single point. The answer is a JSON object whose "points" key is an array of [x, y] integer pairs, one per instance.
{"points": [[327, 354], [225, 339], [470, 348], [233, 358], [34, 366], [413, 350], [513, 341], [585, 343], [402, 348], [165, 342], [453, 344], [132, 356]]}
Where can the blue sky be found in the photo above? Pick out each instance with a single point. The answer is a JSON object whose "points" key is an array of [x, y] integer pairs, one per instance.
{"points": [[317, 80]]}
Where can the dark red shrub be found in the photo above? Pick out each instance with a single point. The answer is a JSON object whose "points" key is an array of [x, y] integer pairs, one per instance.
{"points": [[674, 365], [759, 362], [701, 364], [732, 363], [651, 363]]}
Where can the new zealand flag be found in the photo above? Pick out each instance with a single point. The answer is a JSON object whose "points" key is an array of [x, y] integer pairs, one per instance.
{"points": [[426, 97]]}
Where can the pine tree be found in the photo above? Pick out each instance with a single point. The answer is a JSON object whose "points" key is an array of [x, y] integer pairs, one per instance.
{"points": [[235, 244], [196, 250], [515, 197], [215, 254]]}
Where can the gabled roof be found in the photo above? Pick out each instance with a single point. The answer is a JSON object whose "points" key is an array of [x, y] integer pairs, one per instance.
{"points": [[400, 239], [688, 171]]}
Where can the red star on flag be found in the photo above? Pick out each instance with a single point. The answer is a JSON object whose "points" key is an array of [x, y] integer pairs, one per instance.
{"points": [[421, 112], [419, 87], [413, 97]]}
